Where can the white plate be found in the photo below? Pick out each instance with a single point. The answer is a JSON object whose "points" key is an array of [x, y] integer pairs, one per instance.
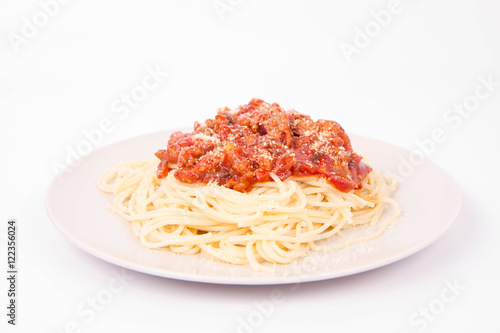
{"points": [[429, 197]]}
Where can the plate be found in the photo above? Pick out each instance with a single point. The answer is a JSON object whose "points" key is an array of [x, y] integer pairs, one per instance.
{"points": [[429, 198]]}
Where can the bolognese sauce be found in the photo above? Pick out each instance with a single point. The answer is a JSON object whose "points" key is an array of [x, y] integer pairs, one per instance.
{"points": [[239, 148]]}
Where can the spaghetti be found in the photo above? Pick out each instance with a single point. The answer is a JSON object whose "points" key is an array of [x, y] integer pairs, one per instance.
{"points": [[276, 222], [252, 186]]}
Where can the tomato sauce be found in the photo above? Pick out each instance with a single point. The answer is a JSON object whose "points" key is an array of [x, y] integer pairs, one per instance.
{"points": [[239, 148]]}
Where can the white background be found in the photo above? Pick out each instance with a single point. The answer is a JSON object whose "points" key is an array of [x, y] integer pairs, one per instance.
{"points": [[61, 78]]}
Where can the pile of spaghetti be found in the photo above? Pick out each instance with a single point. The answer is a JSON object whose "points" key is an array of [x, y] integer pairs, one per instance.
{"points": [[254, 185]]}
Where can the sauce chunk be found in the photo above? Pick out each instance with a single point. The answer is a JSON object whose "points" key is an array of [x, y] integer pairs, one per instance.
{"points": [[239, 148]]}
